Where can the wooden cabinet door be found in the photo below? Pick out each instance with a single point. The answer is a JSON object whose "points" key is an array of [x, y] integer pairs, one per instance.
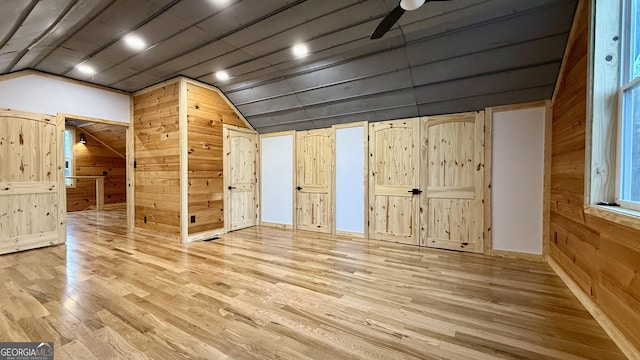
{"points": [[314, 177], [240, 177], [32, 206], [452, 156], [393, 174]]}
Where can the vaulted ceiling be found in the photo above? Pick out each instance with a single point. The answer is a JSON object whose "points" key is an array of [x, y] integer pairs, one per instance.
{"points": [[113, 137], [444, 57]]}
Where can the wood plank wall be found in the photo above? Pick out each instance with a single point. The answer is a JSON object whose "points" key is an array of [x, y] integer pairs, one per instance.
{"points": [[93, 158], [157, 156], [603, 258], [207, 111]]}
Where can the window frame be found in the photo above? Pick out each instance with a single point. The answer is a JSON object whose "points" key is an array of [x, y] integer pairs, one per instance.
{"points": [[626, 18], [604, 83], [626, 84], [634, 84], [72, 160]]}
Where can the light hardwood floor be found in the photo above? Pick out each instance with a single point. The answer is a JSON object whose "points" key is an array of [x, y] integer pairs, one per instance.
{"points": [[265, 293]]}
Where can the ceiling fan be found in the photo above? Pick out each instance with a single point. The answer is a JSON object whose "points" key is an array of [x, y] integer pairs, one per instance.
{"points": [[395, 14]]}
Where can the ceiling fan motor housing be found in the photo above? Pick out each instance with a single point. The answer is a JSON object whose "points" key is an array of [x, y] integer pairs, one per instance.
{"points": [[411, 4]]}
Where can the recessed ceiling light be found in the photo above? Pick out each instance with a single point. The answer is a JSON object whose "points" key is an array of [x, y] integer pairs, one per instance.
{"points": [[222, 75], [300, 50], [135, 42], [220, 2], [85, 69]]}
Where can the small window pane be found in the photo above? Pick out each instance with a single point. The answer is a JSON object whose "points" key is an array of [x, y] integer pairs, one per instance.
{"points": [[630, 164], [634, 52], [69, 140]]}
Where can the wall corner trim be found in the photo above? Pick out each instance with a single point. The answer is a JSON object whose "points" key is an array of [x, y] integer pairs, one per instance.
{"points": [[609, 327]]}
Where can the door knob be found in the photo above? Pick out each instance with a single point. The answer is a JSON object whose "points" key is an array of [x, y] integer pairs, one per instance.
{"points": [[298, 188]]}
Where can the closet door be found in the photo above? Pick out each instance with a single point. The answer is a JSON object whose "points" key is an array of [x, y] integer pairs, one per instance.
{"points": [[32, 190], [240, 177], [452, 159], [315, 151], [394, 180]]}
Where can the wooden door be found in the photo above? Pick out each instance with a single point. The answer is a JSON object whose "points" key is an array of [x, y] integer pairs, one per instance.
{"points": [[314, 177], [240, 178], [452, 155], [32, 205], [393, 175]]}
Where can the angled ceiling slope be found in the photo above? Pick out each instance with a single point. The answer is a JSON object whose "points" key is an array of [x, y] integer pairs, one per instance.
{"points": [[444, 57], [113, 137]]}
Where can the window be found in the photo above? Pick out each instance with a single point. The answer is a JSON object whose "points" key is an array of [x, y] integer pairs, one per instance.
{"points": [[612, 190], [69, 169], [628, 169]]}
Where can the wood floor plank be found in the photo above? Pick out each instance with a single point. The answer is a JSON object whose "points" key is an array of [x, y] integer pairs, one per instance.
{"points": [[266, 293]]}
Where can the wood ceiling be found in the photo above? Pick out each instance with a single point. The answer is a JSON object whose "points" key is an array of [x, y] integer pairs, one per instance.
{"points": [[113, 137], [445, 57]]}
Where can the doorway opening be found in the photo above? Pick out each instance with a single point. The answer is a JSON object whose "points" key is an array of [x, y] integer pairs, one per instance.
{"points": [[96, 168]]}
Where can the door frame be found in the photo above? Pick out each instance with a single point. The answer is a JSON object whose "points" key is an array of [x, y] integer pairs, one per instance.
{"points": [[291, 133], [226, 174], [488, 160], [129, 158], [365, 177]]}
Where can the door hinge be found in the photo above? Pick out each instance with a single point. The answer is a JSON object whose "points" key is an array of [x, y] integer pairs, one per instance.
{"points": [[135, 164]]}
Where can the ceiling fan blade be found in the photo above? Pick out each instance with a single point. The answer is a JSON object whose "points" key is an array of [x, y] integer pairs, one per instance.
{"points": [[387, 23]]}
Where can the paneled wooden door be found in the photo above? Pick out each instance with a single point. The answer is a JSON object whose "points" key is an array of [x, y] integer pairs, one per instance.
{"points": [[32, 190], [315, 176], [452, 156], [394, 180], [240, 178]]}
